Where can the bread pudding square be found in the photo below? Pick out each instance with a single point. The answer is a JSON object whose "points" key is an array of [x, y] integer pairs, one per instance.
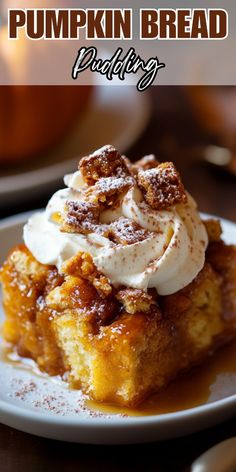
{"points": [[120, 286], [113, 355]]}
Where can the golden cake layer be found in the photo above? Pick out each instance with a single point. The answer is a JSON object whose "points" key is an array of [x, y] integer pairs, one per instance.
{"points": [[66, 324]]}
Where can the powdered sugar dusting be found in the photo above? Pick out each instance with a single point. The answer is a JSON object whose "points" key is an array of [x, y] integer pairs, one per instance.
{"points": [[50, 396], [125, 231], [36, 391]]}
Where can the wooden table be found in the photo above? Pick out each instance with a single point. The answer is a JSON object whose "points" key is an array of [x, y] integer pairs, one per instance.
{"points": [[171, 134]]}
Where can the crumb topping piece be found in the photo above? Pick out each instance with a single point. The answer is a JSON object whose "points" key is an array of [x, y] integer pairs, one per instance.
{"points": [[162, 186], [78, 294], [106, 162], [124, 231], [109, 176], [80, 217], [214, 229], [82, 265], [108, 190], [135, 300]]}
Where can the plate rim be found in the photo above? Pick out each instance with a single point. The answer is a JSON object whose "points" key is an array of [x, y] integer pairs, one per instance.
{"points": [[113, 420]]}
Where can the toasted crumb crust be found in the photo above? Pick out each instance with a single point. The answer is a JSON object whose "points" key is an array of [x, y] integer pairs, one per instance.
{"points": [[82, 265], [107, 162], [108, 176], [124, 231], [135, 300], [162, 186], [108, 190], [80, 217]]}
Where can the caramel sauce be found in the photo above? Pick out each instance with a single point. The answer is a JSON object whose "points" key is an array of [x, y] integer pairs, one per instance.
{"points": [[8, 356], [211, 381]]}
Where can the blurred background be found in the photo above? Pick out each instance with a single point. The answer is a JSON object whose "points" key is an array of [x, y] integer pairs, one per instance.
{"points": [[45, 129]]}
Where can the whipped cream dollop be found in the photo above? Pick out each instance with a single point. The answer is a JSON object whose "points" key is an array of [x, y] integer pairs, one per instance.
{"points": [[168, 259]]}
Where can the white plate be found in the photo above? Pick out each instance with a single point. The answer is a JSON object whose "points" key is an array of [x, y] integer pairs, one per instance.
{"points": [[116, 115], [24, 395]]}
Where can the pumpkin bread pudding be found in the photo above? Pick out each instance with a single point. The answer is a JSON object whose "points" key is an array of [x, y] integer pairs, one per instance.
{"points": [[120, 286]]}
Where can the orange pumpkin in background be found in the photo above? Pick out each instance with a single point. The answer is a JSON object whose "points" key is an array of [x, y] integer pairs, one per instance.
{"points": [[214, 107], [33, 118]]}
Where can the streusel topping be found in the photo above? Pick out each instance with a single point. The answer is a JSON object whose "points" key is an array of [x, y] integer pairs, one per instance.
{"points": [[138, 225], [161, 186], [108, 190], [106, 162], [124, 231], [80, 217]]}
